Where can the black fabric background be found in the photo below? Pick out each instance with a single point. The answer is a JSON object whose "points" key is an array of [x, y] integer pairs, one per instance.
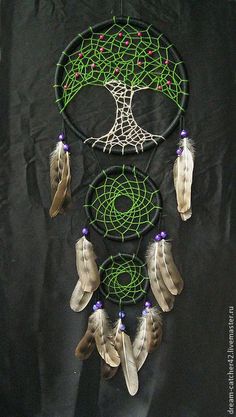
{"points": [[40, 376]]}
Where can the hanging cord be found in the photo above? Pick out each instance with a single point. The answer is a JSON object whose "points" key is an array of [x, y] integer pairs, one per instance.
{"points": [[121, 8]]}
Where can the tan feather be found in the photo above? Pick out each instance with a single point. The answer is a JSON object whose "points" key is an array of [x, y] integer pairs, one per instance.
{"points": [[124, 348], [148, 336], [60, 180], [79, 298], [103, 339], [163, 296], [86, 265], [183, 175], [168, 269], [108, 371]]}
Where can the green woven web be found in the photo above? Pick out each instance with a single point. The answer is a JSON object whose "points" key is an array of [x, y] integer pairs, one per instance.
{"points": [[124, 279], [125, 58], [121, 203]]}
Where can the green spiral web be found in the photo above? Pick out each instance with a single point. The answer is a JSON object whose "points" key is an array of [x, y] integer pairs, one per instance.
{"points": [[112, 279], [98, 61], [140, 204]]}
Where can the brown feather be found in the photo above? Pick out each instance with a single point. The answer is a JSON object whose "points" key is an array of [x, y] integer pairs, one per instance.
{"points": [[163, 296], [148, 336], [124, 348], [85, 346], [168, 269], [79, 298], [183, 174], [108, 371], [60, 182], [86, 265], [103, 339]]}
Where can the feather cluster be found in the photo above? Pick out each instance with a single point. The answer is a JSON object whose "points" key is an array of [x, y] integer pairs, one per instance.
{"points": [[89, 278], [60, 180], [148, 336], [165, 279], [98, 334], [183, 175]]}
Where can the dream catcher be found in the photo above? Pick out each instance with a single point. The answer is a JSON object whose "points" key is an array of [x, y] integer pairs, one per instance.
{"points": [[123, 203]]}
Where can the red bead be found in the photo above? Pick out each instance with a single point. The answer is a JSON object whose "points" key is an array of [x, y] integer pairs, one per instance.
{"points": [[168, 82], [167, 62], [120, 34], [159, 87], [150, 52], [80, 55], [139, 63], [126, 43], [93, 65], [117, 70], [65, 86], [101, 37], [139, 34], [77, 74], [101, 49]]}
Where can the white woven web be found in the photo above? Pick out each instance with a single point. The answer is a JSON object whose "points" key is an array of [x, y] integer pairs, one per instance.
{"points": [[125, 130]]}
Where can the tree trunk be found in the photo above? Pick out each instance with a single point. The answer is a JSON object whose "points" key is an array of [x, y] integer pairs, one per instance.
{"points": [[125, 132]]}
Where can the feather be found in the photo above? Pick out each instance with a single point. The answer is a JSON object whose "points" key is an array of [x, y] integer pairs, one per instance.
{"points": [[60, 180], [79, 298], [163, 296], [124, 348], [168, 269], [183, 175], [103, 338], [148, 336], [108, 371], [86, 265], [87, 343]]}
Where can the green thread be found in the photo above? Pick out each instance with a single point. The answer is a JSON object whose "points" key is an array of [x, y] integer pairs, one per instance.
{"points": [[126, 187], [112, 286], [137, 69]]}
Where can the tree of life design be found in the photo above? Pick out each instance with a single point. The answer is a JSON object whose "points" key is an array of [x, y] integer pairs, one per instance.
{"points": [[123, 58], [124, 279], [122, 203]]}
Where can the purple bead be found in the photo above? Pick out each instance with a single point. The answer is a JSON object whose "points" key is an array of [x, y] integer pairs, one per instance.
{"points": [[121, 314], [179, 151], [85, 231], [164, 234], [61, 136], [144, 312], [99, 304], [183, 133], [147, 304], [122, 327], [158, 237], [95, 308], [66, 147]]}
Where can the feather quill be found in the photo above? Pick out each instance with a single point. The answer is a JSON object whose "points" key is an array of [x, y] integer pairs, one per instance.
{"points": [[163, 296], [168, 269], [86, 265], [183, 175], [124, 348], [60, 180], [80, 298], [148, 336]]}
